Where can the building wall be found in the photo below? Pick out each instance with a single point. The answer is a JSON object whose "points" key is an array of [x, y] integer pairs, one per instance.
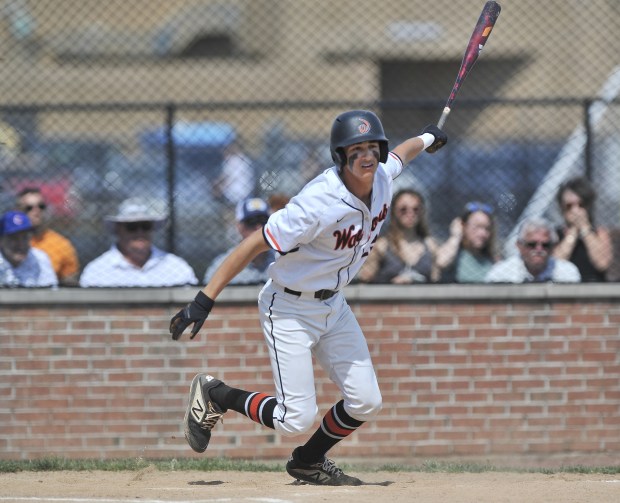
{"points": [[300, 50], [463, 371]]}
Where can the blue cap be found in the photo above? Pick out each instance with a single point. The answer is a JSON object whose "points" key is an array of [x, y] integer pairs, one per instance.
{"points": [[250, 208], [13, 222]]}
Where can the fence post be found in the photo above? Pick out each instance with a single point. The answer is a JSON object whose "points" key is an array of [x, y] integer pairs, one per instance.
{"points": [[170, 170], [587, 127]]}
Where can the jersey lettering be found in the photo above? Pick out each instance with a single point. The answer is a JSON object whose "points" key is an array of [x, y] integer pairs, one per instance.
{"points": [[380, 217], [365, 254], [346, 238]]}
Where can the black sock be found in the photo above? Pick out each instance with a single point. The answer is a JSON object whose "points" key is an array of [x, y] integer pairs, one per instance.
{"points": [[335, 426], [257, 406]]}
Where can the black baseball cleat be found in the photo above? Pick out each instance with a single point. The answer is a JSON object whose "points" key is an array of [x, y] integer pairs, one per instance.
{"points": [[202, 412], [322, 473]]}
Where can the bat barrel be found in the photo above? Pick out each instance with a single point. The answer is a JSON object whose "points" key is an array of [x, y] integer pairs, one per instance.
{"points": [[478, 38]]}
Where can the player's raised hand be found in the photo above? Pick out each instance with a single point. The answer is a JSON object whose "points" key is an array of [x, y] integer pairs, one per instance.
{"points": [[195, 312], [441, 138]]}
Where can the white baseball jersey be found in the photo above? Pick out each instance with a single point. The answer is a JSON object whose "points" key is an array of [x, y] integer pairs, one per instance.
{"points": [[325, 233]]}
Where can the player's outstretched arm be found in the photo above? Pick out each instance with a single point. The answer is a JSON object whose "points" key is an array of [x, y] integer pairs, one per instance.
{"points": [[431, 139], [238, 259], [197, 311]]}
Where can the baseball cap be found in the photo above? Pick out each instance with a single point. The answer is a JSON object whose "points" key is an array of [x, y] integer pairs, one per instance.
{"points": [[13, 222], [137, 209], [251, 208]]}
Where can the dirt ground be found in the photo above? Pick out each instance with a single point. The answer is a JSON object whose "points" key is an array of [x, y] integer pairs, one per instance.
{"points": [[151, 486]]}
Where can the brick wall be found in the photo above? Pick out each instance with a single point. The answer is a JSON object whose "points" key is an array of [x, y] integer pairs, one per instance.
{"points": [[95, 375]]}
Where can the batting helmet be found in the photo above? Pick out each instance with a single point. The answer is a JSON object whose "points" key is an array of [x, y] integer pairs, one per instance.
{"points": [[356, 126]]}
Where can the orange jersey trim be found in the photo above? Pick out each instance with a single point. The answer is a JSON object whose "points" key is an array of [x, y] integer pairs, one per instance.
{"points": [[272, 239]]}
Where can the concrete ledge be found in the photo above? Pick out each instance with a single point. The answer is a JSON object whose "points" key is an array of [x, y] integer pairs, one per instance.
{"points": [[354, 293]]}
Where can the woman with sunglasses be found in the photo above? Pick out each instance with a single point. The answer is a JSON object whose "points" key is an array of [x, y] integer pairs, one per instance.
{"points": [[407, 252], [587, 246], [470, 251]]}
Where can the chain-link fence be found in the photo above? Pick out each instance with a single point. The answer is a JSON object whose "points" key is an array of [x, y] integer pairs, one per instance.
{"points": [[106, 100]]}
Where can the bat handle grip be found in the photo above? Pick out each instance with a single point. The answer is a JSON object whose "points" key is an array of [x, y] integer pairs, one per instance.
{"points": [[444, 116]]}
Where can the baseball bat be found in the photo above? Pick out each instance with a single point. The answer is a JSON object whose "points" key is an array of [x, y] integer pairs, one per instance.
{"points": [[478, 38]]}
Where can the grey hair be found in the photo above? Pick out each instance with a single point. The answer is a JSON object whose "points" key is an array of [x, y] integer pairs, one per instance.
{"points": [[534, 224]]}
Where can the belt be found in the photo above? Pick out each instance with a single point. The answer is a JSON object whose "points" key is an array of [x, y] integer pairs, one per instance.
{"points": [[319, 294]]}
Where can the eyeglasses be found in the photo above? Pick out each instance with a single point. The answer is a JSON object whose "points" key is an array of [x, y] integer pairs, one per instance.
{"points": [[403, 210], [478, 206], [135, 226], [29, 207], [546, 245]]}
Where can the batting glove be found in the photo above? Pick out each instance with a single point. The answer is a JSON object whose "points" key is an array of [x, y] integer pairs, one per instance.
{"points": [[195, 312], [441, 138]]}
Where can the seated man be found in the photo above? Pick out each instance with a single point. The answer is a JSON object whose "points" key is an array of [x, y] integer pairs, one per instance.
{"points": [[250, 214], [133, 260], [20, 264], [59, 249], [534, 263]]}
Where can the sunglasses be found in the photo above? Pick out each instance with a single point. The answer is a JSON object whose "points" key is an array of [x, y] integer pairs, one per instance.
{"points": [[29, 207], [403, 210], [136, 226], [478, 206], [546, 245]]}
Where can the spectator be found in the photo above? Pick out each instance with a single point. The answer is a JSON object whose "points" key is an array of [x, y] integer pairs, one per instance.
{"points": [[236, 180], [470, 252], [20, 264], [133, 261], [407, 252], [251, 214], [580, 241], [61, 252], [534, 263]]}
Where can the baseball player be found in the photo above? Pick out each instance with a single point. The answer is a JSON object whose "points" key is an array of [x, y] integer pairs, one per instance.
{"points": [[322, 237]]}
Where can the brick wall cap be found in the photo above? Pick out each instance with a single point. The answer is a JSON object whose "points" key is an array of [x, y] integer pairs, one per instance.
{"points": [[354, 293]]}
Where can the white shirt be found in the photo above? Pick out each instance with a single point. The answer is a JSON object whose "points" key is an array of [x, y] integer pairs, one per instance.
{"points": [[35, 271], [161, 269], [513, 270], [325, 233], [253, 274]]}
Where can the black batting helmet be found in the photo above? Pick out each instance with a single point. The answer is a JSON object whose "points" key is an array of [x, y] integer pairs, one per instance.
{"points": [[356, 126]]}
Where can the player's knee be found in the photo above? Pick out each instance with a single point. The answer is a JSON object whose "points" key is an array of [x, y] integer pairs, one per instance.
{"points": [[366, 409], [372, 407], [295, 422]]}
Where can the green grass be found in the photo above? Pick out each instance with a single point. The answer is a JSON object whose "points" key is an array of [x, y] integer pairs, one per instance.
{"points": [[224, 464], [113, 465]]}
